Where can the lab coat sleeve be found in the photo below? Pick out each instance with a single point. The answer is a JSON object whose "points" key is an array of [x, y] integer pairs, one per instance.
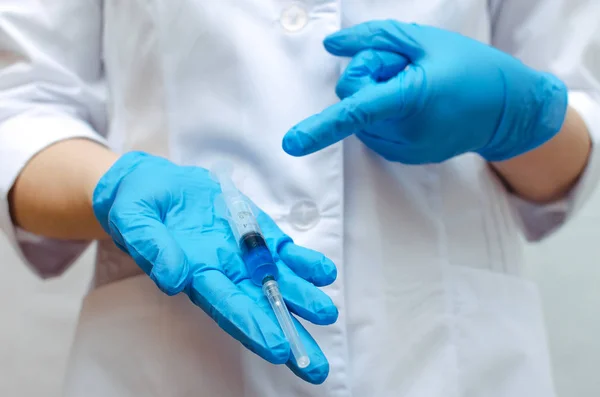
{"points": [[562, 37], [51, 89]]}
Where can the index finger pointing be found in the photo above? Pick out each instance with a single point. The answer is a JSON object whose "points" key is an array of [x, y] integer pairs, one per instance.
{"points": [[339, 121], [317, 132]]}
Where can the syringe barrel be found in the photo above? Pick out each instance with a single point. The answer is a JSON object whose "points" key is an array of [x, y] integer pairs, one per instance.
{"points": [[258, 258], [241, 217], [242, 220]]}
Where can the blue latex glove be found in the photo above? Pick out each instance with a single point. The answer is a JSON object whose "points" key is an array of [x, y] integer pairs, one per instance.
{"points": [[418, 94], [163, 215]]}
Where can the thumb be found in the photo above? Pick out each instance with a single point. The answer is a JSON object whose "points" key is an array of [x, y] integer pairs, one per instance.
{"points": [[397, 97], [369, 67], [147, 240]]}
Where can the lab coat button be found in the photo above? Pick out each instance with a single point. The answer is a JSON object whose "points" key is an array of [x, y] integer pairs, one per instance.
{"points": [[293, 18], [304, 215]]}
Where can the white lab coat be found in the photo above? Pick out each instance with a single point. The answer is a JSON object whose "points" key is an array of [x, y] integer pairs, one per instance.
{"points": [[429, 291]]}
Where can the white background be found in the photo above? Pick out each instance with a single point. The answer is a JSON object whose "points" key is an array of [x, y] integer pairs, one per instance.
{"points": [[38, 318]]}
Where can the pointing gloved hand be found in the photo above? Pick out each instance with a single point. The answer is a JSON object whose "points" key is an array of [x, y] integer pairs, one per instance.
{"points": [[163, 215], [419, 94]]}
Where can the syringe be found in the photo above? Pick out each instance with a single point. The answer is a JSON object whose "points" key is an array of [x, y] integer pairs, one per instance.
{"points": [[259, 260]]}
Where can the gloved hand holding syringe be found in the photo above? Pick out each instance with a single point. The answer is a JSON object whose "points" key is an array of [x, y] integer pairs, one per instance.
{"points": [[172, 221], [258, 259]]}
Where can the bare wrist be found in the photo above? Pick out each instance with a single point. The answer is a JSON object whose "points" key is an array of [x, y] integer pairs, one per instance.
{"points": [[550, 171]]}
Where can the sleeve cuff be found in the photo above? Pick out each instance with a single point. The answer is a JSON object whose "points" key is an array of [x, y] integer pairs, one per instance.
{"points": [[21, 138], [540, 221]]}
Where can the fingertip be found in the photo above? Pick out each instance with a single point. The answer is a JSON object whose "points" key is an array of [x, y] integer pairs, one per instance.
{"points": [[329, 272], [171, 270], [291, 143], [328, 314], [346, 87], [311, 265], [348, 41], [332, 43], [318, 369], [279, 352], [168, 283], [307, 301], [316, 373], [319, 374], [324, 311]]}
